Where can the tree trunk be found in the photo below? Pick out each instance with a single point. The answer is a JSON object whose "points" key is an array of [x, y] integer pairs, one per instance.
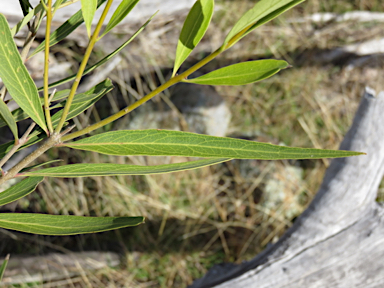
{"points": [[339, 240]]}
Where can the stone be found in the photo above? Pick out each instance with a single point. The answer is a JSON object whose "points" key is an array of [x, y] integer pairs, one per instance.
{"points": [[202, 110]]}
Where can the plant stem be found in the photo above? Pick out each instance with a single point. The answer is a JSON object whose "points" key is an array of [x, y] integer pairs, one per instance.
{"points": [[17, 145], [2, 93], [70, 2], [174, 80], [53, 140], [46, 67], [80, 72]]}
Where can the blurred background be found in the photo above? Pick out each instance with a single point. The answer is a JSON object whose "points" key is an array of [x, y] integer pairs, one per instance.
{"points": [[224, 213]]}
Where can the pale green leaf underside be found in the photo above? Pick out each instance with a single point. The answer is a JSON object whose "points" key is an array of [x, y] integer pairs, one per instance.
{"points": [[102, 61], [194, 28], [107, 169], [7, 118], [121, 12], [175, 143], [63, 224], [241, 73], [264, 10], [88, 9], [16, 77], [19, 190], [64, 30]]}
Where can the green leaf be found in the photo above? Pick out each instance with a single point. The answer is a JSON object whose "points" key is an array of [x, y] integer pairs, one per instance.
{"points": [[26, 19], [57, 5], [121, 12], [16, 77], [261, 13], [7, 117], [83, 101], [241, 73], [88, 8], [19, 190], [64, 30], [175, 143], [63, 224], [33, 138], [39, 165], [107, 169], [3, 266], [25, 5], [194, 28], [104, 60], [18, 114]]}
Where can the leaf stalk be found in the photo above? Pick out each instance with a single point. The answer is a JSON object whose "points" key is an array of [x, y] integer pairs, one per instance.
{"points": [[84, 62], [174, 80], [46, 67]]}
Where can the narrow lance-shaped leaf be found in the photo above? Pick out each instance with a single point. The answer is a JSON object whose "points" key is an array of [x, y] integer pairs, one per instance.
{"points": [[107, 169], [3, 267], [21, 189], [16, 77], [261, 13], [39, 165], [63, 224], [33, 138], [82, 102], [154, 142], [57, 5], [104, 60], [25, 5], [7, 117], [88, 8], [6, 147], [194, 28], [18, 114], [121, 12], [26, 19], [241, 73], [64, 30]]}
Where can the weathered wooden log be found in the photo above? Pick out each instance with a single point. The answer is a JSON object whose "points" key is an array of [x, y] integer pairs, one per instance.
{"points": [[55, 267], [339, 240]]}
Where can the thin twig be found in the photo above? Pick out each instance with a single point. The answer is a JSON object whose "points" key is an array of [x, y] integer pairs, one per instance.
{"points": [[17, 145], [52, 141], [84, 62], [52, 95], [3, 92], [46, 67], [174, 80]]}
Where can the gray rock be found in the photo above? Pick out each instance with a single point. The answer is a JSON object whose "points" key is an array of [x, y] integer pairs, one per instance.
{"points": [[202, 110]]}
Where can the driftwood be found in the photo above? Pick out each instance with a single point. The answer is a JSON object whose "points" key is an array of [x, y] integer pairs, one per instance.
{"points": [[55, 267], [339, 240]]}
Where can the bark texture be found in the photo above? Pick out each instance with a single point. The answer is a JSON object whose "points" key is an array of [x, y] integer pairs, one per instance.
{"points": [[339, 240]]}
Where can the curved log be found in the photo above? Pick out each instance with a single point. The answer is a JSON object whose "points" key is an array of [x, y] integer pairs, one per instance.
{"points": [[339, 240]]}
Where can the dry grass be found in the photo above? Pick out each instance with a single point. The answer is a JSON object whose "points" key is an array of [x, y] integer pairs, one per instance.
{"points": [[231, 211]]}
